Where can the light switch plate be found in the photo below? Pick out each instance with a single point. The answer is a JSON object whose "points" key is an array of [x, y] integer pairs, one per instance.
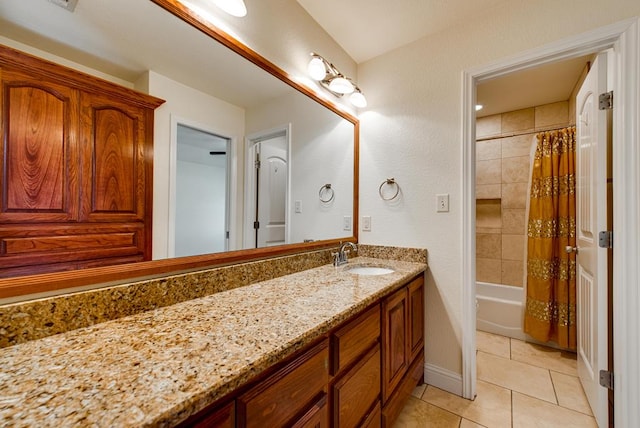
{"points": [[366, 223], [442, 202], [298, 206], [347, 222]]}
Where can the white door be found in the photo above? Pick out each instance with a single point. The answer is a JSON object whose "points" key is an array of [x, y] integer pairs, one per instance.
{"points": [[591, 261], [272, 192]]}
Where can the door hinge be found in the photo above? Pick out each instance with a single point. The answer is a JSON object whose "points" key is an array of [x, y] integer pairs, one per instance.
{"points": [[256, 225], [257, 161], [605, 239], [227, 234], [606, 379], [606, 101]]}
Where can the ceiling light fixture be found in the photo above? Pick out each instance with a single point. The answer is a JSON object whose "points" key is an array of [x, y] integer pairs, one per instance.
{"points": [[337, 83], [479, 107], [232, 7]]}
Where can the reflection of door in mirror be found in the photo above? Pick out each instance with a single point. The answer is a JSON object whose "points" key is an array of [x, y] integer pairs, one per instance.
{"points": [[268, 190], [202, 196]]}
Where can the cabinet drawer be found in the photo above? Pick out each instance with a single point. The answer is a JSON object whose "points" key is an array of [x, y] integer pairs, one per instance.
{"points": [[316, 417], [357, 391], [223, 417], [349, 342], [288, 392]]}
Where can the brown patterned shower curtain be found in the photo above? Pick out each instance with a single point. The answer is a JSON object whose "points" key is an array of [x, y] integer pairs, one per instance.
{"points": [[550, 312]]}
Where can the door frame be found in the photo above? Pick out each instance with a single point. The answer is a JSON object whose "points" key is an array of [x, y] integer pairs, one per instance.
{"points": [[250, 180], [232, 182], [624, 38]]}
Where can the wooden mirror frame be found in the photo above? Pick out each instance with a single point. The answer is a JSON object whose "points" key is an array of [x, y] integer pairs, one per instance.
{"points": [[50, 282]]}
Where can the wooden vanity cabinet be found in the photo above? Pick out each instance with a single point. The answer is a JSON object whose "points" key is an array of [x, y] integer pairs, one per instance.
{"points": [[360, 374], [77, 162]]}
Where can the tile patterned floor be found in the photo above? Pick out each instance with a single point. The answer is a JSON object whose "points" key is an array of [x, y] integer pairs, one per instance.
{"points": [[519, 385]]}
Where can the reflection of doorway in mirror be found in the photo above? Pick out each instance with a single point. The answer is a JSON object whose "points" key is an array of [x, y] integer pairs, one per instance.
{"points": [[267, 190], [202, 192]]}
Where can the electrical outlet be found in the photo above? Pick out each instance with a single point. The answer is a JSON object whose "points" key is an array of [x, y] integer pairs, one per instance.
{"points": [[442, 202], [347, 222], [298, 206], [366, 223]]}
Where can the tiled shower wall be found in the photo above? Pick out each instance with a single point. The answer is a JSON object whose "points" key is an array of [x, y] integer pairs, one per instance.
{"points": [[503, 148]]}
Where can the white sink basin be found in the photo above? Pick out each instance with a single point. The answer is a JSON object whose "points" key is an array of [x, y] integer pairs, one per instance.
{"points": [[368, 270]]}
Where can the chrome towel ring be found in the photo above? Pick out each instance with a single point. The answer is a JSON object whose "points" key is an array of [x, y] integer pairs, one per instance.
{"points": [[326, 194], [389, 182]]}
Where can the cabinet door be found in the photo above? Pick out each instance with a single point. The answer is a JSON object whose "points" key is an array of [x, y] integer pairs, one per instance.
{"points": [[39, 151], [395, 355], [114, 174], [416, 316]]}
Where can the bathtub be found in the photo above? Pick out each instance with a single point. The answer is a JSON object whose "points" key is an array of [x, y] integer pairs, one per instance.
{"points": [[500, 309]]}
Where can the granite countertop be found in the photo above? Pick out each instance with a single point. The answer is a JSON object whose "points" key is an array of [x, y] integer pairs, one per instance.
{"points": [[158, 367]]}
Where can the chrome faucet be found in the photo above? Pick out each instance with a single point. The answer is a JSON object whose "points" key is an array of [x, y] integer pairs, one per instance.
{"points": [[341, 257]]}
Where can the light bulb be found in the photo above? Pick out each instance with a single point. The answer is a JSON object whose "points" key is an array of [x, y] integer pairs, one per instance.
{"points": [[316, 68], [232, 7], [358, 100], [341, 85]]}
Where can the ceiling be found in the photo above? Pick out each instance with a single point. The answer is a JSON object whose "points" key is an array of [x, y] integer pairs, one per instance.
{"points": [[380, 26], [374, 27]]}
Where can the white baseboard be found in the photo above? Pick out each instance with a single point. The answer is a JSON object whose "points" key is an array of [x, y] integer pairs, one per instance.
{"points": [[444, 379]]}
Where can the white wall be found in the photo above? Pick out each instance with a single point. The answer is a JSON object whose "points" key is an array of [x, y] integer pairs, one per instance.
{"points": [[412, 131], [197, 108], [321, 153]]}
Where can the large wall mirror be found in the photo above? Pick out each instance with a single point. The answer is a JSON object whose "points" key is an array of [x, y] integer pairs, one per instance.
{"points": [[227, 111]]}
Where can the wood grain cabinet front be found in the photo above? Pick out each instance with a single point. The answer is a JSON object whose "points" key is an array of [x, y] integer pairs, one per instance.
{"points": [[77, 164], [287, 395], [377, 359], [402, 347]]}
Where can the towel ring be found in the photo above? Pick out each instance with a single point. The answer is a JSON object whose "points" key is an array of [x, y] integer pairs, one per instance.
{"points": [[326, 194], [389, 182]]}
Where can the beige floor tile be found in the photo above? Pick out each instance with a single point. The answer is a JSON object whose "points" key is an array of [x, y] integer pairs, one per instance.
{"points": [[542, 356], [419, 390], [465, 423], [531, 412], [418, 414], [517, 376], [493, 344], [570, 393], [492, 406]]}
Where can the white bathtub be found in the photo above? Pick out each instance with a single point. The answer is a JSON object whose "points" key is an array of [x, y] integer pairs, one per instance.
{"points": [[500, 309]]}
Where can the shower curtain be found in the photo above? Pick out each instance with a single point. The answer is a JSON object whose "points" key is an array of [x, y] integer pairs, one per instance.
{"points": [[550, 311]]}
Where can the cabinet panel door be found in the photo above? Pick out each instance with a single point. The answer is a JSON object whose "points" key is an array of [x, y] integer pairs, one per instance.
{"points": [[395, 350], [39, 153], [112, 139], [416, 316]]}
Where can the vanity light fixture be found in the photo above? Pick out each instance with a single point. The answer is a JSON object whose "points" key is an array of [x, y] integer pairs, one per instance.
{"points": [[232, 7], [337, 83]]}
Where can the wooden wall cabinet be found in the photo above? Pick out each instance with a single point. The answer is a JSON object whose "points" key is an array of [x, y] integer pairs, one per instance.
{"points": [[77, 162]]}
